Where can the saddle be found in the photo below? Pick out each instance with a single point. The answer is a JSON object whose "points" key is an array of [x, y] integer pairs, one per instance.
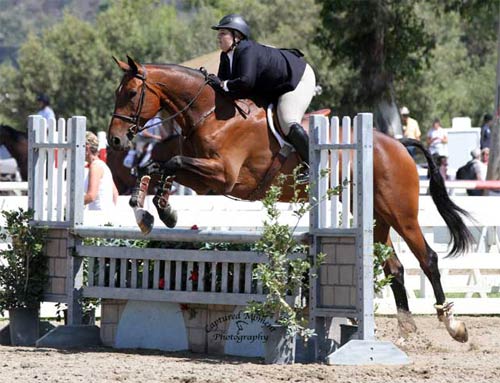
{"points": [[285, 148], [275, 127]]}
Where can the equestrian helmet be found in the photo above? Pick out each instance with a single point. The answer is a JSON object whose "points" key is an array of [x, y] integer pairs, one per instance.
{"points": [[235, 22]]}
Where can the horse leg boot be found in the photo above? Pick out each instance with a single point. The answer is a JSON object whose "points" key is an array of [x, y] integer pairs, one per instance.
{"points": [[167, 215], [300, 141], [143, 218]]}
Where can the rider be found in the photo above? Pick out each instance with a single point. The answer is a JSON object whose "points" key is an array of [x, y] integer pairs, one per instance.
{"points": [[248, 69]]}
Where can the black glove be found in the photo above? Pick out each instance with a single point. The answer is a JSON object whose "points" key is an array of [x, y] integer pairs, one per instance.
{"points": [[214, 81]]}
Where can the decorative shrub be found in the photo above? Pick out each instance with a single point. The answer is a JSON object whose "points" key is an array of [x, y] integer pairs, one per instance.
{"points": [[23, 265]]}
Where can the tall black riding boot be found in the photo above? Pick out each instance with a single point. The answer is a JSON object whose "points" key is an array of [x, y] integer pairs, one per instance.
{"points": [[300, 141]]}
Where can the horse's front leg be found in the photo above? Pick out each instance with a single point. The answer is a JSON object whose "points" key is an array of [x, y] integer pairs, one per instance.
{"points": [[167, 215], [144, 219]]}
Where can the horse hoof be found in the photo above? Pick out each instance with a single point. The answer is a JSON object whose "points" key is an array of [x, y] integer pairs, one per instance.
{"points": [[168, 217], [460, 333], [133, 202], [145, 220], [406, 323], [172, 221]]}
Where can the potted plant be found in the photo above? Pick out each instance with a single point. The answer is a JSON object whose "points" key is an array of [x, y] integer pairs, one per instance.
{"points": [[282, 276], [23, 275]]}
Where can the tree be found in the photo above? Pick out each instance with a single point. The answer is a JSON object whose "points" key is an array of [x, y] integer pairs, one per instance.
{"points": [[377, 42], [70, 64], [458, 80], [72, 61], [483, 28], [39, 71], [494, 160]]}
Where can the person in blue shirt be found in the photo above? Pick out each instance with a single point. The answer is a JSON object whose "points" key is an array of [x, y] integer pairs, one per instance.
{"points": [[145, 141], [486, 131], [45, 109], [251, 70]]}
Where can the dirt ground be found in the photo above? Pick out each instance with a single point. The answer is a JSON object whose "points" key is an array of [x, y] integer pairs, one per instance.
{"points": [[435, 357]]}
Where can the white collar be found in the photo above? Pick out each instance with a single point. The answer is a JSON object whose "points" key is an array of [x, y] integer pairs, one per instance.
{"points": [[230, 55]]}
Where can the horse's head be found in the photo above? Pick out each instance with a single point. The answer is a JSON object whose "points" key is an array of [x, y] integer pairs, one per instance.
{"points": [[136, 102], [9, 135]]}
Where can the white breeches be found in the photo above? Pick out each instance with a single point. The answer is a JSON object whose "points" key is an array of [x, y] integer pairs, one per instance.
{"points": [[293, 105]]}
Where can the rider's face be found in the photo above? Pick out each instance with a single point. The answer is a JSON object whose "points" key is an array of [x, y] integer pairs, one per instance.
{"points": [[225, 39]]}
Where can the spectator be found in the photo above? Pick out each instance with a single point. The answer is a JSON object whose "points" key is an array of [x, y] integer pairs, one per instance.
{"points": [[410, 128], [473, 170], [437, 140], [145, 141], [486, 131], [148, 138], [443, 167], [485, 156], [101, 193], [45, 109]]}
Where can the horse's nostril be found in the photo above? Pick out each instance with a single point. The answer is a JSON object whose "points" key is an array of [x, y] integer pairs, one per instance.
{"points": [[115, 141]]}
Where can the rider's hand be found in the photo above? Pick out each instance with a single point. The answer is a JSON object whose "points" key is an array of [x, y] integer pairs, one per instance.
{"points": [[215, 81]]}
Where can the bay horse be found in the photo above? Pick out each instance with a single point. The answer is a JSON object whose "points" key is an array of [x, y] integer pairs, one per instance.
{"points": [[224, 151], [16, 143]]}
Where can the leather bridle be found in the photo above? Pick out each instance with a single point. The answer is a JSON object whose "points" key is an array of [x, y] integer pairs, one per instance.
{"points": [[135, 127], [134, 120]]}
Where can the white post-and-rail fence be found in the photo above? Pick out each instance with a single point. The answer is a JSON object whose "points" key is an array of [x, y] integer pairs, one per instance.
{"points": [[343, 285]]}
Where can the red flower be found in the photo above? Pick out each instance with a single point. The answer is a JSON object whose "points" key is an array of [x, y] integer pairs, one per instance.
{"points": [[194, 227], [194, 275]]}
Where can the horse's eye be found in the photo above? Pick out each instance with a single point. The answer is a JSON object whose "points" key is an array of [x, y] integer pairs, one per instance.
{"points": [[132, 93]]}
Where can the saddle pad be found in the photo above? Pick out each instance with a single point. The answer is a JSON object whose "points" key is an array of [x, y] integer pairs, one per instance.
{"points": [[270, 123]]}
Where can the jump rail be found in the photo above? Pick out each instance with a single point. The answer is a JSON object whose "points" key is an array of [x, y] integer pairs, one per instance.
{"points": [[172, 275]]}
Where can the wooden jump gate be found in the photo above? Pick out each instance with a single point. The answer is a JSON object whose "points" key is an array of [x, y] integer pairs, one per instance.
{"points": [[342, 287]]}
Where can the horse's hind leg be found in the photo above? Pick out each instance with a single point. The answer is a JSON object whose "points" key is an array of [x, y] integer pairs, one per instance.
{"points": [[412, 234], [394, 269]]}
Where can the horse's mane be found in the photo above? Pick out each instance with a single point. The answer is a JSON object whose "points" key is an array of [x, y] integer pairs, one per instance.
{"points": [[181, 68], [13, 134]]}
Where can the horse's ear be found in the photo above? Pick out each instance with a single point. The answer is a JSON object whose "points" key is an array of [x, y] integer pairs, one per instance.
{"points": [[132, 64], [123, 66]]}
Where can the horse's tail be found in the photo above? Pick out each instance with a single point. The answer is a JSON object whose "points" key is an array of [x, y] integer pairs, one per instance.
{"points": [[461, 237]]}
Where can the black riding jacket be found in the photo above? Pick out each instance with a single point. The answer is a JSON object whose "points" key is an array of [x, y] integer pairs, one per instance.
{"points": [[261, 71]]}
